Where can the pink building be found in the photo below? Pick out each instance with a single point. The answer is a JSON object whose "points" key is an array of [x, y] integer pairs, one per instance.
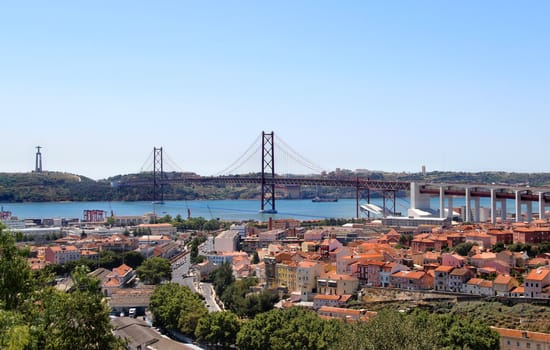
{"points": [[62, 254]]}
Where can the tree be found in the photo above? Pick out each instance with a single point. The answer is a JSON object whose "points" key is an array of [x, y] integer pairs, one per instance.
{"points": [[194, 250], [176, 308], [498, 247], [15, 273], [154, 270], [255, 258], [218, 328], [463, 248], [77, 320], [405, 239], [111, 221], [222, 277], [14, 332], [418, 330], [294, 328], [109, 260], [133, 259]]}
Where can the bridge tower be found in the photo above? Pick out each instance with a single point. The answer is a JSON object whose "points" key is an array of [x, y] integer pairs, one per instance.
{"points": [[158, 175], [38, 161], [268, 172]]}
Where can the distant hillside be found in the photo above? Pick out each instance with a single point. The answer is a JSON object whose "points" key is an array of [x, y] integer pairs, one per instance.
{"points": [[57, 186]]}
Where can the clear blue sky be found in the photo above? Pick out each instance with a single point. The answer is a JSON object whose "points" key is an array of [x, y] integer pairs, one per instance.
{"points": [[382, 85]]}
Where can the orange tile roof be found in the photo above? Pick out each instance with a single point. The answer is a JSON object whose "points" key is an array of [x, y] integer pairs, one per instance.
{"points": [[474, 281], [519, 290], [414, 275], [444, 268], [326, 297], [339, 310], [520, 334], [122, 270], [502, 279], [538, 274]]}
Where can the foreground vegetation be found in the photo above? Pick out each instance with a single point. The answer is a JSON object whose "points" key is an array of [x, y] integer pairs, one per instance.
{"points": [[252, 323], [34, 315], [177, 308]]}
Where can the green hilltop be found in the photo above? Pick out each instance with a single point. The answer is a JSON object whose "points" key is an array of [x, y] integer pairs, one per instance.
{"points": [[59, 186]]}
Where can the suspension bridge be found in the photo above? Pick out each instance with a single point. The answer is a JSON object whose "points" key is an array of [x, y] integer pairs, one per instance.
{"points": [[419, 193], [268, 179]]}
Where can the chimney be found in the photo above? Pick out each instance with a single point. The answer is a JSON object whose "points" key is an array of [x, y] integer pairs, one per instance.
{"points": [[270, 224]]}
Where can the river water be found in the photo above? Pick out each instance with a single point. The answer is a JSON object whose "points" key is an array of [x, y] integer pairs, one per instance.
{"points": [[237, 210]]}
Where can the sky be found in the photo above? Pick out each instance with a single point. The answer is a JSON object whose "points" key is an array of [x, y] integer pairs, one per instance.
{"points": [[380, 85]]}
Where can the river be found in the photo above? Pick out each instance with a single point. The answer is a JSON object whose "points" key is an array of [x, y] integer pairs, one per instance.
{"points": [[234, 210]]}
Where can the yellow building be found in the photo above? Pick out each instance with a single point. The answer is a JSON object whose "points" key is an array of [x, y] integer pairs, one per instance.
{"points": [[287, 275]]}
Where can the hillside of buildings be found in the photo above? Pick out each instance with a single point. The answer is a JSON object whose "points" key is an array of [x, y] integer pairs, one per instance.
{"points": [[58, 186], [439, 283]]}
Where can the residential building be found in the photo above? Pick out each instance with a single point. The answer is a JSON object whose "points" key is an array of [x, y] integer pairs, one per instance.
{"points": [[478, 286], [119, 277], [515, 339], [166, 250], [503, 285], [118, 243], [130, 220], [482, 259], [227, 241], [531, 234], [368, 273], [457, 278], [153, 239], [306, 273], [504, 236], [272, 235], [412, 280], [159, 229], [241, 229], [332, 283], [220, 258], [389, 269], [62, 254], [286, 275], [140, 336], [537, 283], [452, 260], [441, 278]]}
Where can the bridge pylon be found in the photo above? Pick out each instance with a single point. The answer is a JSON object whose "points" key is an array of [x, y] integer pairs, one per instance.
{"points": [[268, 172], [158, 176]]}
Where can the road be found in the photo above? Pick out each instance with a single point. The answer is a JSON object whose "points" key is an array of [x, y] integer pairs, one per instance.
{"points": [[207, 290], [183, 274], [180, 273]]}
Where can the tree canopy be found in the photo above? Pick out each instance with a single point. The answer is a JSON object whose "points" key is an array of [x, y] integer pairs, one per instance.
{"points": [[33, 315], [294, 328], [218, 329], [177, 308], [154, 270]]}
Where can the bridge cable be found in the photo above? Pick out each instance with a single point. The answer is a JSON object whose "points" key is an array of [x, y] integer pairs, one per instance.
{"points": [[297, 156], [232, 165], [148, 161]]}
